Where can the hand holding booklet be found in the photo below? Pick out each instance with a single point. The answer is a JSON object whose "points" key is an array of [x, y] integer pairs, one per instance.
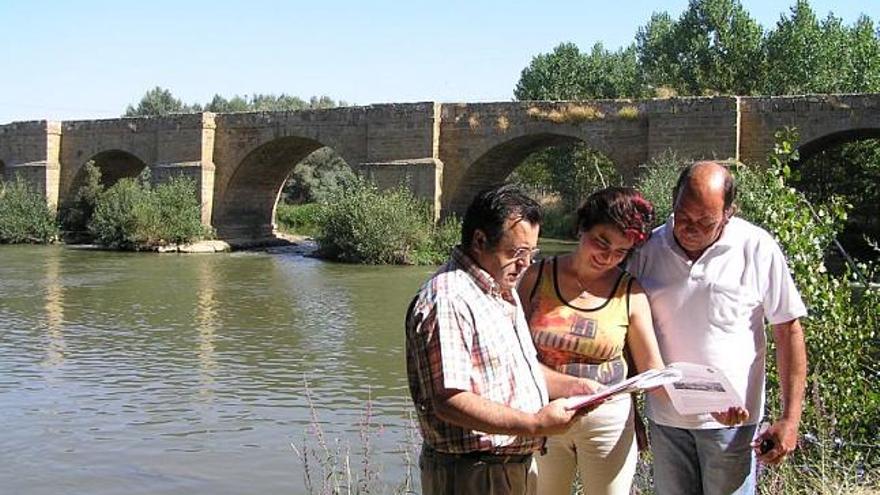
{"points": [[693, 389]]}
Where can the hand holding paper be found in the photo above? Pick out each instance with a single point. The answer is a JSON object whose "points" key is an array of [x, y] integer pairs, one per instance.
{"points": [[703, 389], [692, 388], [643, 381]]}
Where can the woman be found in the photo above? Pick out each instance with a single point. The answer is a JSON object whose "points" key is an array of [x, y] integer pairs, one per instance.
{"points": [[583, 311]]}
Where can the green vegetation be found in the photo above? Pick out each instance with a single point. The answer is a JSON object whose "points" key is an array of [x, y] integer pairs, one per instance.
{"points": [[316, 176], [361, 224], [24, 215], [838, 450], [160, 101], [715, 47], [304, 219], [133, 214], [76, 215]]}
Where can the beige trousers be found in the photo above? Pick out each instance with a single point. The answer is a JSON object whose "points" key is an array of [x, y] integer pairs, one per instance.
{"points": [[601, 447]]}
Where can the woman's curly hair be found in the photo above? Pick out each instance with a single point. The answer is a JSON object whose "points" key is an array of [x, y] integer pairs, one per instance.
{"points": [[623, 207]]}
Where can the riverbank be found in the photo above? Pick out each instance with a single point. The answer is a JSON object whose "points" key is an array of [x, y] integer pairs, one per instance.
{"points": [[282, 242]]}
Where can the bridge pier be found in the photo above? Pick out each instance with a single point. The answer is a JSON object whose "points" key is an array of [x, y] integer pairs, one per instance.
{"points": [[31, 150], [423, 177]]}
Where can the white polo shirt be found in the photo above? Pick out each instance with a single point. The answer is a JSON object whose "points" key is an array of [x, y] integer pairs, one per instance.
{"points": [[712, 310]]}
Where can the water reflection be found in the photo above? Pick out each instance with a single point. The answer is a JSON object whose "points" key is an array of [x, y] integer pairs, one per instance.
{"points": [[185, 374], [54, 308], [206, 324]]}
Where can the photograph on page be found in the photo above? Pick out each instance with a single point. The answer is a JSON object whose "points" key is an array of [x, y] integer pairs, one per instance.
{"points": [[701, 389]]}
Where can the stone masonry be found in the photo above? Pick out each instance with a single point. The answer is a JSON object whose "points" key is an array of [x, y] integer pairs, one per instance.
{"points": [[443, 152]]}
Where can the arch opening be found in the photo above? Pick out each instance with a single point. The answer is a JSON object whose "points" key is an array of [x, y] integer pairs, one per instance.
{"points": [[557, 170], [100, 172], [2, 171], [289, 170], [845, 164]]}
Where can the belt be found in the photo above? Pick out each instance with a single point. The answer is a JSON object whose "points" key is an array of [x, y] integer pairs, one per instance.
{"points": [[480, 456]]}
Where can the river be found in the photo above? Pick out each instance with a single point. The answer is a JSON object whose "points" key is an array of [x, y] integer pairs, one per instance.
{"points": [[136, 373], [130, 373]]}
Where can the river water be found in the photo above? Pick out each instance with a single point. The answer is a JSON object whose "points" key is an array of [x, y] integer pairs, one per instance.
{"points": [[133, 373]]}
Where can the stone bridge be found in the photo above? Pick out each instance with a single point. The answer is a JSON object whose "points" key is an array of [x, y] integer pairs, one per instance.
{"points": [[443, 152]]}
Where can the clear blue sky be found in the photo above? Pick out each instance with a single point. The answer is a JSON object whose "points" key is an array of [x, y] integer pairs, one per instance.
{"points": [[89, 59]]}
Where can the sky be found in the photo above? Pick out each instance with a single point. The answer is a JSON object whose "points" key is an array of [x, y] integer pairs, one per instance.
{"points": [[67, 60]]}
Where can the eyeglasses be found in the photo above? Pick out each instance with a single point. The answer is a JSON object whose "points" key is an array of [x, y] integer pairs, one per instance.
{"points": [[525, 254]]}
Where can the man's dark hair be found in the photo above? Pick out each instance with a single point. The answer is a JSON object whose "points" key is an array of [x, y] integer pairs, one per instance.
{"points": [[492, 207], [687, 172]]}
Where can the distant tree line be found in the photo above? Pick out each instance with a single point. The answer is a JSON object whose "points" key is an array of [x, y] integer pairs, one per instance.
{"points": [[160, 101]]}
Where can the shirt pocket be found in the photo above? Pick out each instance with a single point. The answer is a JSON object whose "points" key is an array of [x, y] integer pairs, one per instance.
{"points": [[730, 307]]}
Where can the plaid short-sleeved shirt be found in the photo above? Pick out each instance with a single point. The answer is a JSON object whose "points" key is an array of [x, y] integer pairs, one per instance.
{"points": [[464, 333]]}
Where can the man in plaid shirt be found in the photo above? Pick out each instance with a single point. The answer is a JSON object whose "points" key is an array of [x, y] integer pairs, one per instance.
{"points": [[481, 396]]}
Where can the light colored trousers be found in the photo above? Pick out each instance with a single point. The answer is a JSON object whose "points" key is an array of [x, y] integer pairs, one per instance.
{"points": [[601, 447]]}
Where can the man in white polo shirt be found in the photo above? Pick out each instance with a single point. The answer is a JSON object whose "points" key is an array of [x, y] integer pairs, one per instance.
{"points": [[712, 280]]}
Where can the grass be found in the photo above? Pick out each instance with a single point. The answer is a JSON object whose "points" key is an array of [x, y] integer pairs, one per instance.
{"points": [[336, 467], [569, 114]]}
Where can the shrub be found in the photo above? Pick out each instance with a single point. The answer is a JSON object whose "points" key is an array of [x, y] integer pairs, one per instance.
{"points": [[134, 215], [179, 211], [25, 216], [656, 181], [559, 222], [300, 219], [76, 214], [361, 224]]}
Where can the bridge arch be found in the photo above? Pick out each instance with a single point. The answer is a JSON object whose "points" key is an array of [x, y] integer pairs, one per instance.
{"points": [[245, 209], [821, 143], [114, 164], [503, 157], [842, 164]]}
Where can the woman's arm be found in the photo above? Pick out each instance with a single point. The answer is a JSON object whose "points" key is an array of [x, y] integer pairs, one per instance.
{"points": [[640, 338], [526, 286]]}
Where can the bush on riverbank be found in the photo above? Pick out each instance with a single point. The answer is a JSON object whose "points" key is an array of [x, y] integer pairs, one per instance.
{"points": [[132, 214], [24, 215], [75, 215], [360, 224], [842, 406], [303, 219]]}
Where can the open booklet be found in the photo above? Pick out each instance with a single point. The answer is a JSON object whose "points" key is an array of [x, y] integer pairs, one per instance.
{"points": [[693, 389]]}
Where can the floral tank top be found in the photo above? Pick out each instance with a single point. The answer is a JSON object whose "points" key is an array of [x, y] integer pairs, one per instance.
{"points": [[582, 342]]}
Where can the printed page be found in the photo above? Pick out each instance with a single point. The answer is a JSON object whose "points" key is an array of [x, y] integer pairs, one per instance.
{"points": [[643, 381], [701, 389]]}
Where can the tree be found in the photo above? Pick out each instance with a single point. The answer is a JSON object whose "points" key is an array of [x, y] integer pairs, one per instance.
{"points": [[220, 104], [159, 101], [568, 74], [713, 48], [316, 177], [808, 56]]}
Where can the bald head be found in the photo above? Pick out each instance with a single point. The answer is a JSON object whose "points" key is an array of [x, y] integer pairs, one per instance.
{"points": [[706, 182], [702, 205]]}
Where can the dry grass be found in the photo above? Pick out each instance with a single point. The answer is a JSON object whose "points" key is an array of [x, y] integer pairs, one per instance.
{"points": [[474, 122], [569, 114], [664, 92], [502, 123], [333, 467], [628, 112]]}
